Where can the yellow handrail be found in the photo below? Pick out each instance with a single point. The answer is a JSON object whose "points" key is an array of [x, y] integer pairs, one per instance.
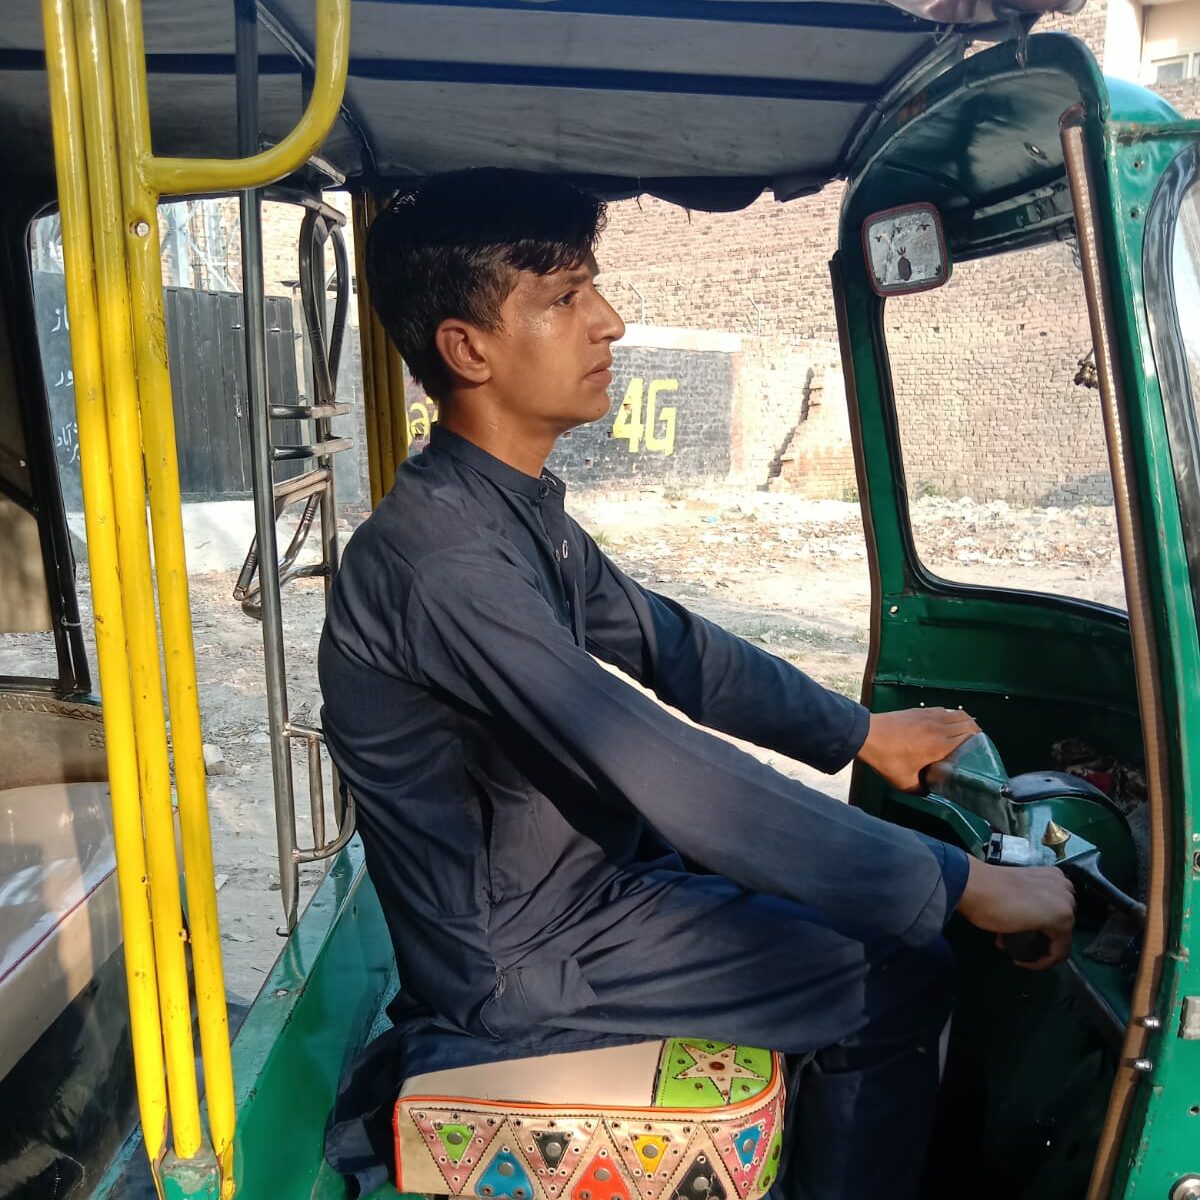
{"points": [[186, 175], [62, 65], [109, 184]]}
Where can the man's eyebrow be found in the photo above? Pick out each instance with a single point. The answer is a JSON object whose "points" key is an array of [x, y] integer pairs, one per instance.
{"points": [[571, 279]]}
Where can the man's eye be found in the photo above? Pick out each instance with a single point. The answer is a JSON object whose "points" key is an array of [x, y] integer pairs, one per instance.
{"points": [[567, 299]]}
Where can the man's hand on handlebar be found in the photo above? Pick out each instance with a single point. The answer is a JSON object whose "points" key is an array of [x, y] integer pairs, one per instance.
{"points": [[1002, 900], [900, 745]]}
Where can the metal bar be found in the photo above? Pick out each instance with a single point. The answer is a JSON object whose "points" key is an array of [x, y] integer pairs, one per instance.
{"points": [[125, 430], [318, 450], [140, 226], [67, 126], [253, 299], [290, 490], [1088, 230], [316, 791], [326, 356], [345, 833], [294, 44], [361, 216], [181, 175], [306, 412]]}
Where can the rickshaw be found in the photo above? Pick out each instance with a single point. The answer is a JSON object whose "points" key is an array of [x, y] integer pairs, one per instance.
{"points": [[1081, 1081]]}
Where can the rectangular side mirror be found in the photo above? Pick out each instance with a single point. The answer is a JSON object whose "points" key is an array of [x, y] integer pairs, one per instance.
{"points": [[905, 250]]}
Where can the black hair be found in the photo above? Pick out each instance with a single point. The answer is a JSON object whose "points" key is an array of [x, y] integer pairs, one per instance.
{"points": [[452, 247]]}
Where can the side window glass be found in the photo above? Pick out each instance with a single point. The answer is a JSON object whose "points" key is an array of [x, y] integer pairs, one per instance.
{"points": [[27, 647], [1001, 434], [1185, 278]]}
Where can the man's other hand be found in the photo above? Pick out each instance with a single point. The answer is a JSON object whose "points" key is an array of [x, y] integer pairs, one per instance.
{"points": [[900, 745], [1022, 900]]}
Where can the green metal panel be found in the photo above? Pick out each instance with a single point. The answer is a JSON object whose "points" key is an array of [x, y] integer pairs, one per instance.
{"points": [[1027, 666], [1164, 1138], [312, 1017]]}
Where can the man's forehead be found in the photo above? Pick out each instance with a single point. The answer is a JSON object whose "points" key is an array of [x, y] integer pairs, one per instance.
{"points": [[580, 273]]}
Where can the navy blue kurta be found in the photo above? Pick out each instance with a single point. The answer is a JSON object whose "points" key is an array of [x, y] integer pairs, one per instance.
{"points": [[561, 861]]}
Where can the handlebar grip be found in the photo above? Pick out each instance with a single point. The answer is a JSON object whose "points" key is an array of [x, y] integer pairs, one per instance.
{"points": [[1027, 947]]}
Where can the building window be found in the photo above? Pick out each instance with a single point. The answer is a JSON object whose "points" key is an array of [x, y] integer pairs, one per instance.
{"points": [[1175, 68]]}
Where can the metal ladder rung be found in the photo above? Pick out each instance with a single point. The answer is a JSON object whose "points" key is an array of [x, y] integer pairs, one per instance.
{"points": [[307, 412], [291, 453], [289, 491]]}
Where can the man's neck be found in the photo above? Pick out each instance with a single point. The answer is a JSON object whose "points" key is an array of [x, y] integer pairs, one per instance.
{"points": [[522, 448]]}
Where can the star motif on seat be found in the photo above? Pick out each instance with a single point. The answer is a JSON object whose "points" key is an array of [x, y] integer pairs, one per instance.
{"points": [[720, 1066]]}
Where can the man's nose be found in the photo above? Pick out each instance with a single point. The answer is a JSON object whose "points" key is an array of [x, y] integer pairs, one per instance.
{"points": [[608, 326]]}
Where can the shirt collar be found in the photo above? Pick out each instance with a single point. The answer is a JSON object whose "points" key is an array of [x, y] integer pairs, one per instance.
{"points": [[490, 467]]}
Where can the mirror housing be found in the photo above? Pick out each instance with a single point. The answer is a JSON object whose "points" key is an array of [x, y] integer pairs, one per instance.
{"points": [[905, 250]]}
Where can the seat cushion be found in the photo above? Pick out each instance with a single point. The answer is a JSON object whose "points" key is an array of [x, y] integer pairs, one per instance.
{"points": [[678, 1118]]}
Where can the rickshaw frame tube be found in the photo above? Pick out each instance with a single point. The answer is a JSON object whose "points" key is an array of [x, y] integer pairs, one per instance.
{"points": [[1145, 654], [140, 204], [120, 744], [133, 548], [262, 481]]}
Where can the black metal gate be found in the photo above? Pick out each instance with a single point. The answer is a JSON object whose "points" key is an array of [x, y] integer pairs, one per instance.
{"points": [[208, 382]]}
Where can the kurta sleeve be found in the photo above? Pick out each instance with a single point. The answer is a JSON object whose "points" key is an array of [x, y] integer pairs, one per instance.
{"points": [[718, 679], [478, 632]]}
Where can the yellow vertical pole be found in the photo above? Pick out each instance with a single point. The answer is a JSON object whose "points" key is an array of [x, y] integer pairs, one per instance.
{"points": [[109, 183], [162, 477], [62, 65], [382, 373], [129, 489], [359, 207], [397, 404]]}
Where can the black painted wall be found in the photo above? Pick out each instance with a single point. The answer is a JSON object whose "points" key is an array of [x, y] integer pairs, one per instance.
{"points": [[670, 421]]}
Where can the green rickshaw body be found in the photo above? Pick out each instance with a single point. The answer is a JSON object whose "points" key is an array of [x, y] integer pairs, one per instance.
{"points": [[1053, 1080]]}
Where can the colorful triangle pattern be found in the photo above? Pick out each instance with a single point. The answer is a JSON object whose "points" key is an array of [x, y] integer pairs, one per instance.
{"points": [[554, 1149], [504, 1178], [743, 1147], [651, 1151], [456, 1159]]}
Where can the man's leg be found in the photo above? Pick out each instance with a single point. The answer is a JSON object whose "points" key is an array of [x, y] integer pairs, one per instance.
{"points": [[704, 958], [863, 1108]]}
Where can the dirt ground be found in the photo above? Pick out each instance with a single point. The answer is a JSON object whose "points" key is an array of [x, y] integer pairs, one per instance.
{"points": [[787, 573]]}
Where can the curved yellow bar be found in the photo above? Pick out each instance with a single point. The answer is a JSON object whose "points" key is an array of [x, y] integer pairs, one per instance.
{"points": [[177, 176], [87, 361]]}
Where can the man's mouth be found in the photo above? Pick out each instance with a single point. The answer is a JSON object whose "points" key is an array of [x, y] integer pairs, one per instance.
{"points": [[604, 368]]}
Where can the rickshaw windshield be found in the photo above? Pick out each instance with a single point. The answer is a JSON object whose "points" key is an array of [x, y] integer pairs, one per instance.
{"points": [[1003, 449]]}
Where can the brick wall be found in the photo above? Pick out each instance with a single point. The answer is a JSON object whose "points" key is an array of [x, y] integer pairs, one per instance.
{"points": [[983, 368], [983, 371]]}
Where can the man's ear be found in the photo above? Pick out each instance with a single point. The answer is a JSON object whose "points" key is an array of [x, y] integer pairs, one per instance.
{"points": [[464, 350]]}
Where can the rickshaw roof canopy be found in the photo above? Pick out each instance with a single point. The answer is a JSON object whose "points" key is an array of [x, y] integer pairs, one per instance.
{"points": [[704, 102]]}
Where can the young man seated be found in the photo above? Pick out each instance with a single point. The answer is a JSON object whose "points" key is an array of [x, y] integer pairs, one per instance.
{"points": [[531, 822]]}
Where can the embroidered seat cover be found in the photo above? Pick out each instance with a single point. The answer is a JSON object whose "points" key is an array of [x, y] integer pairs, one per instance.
{"points": [[678, 1119]]}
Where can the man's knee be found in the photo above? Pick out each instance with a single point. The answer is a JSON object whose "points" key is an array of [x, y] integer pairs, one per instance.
{"points": [[907, 997]]}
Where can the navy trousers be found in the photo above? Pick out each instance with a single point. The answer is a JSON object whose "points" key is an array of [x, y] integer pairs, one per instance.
{"points": [[705, 958], [859, 1022]]}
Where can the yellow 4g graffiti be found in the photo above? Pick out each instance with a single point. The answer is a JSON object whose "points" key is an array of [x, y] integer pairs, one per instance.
{"points": [[630, 425]]}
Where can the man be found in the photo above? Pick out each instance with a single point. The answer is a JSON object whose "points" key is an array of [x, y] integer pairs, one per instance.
{"points": [[563, 863]]}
